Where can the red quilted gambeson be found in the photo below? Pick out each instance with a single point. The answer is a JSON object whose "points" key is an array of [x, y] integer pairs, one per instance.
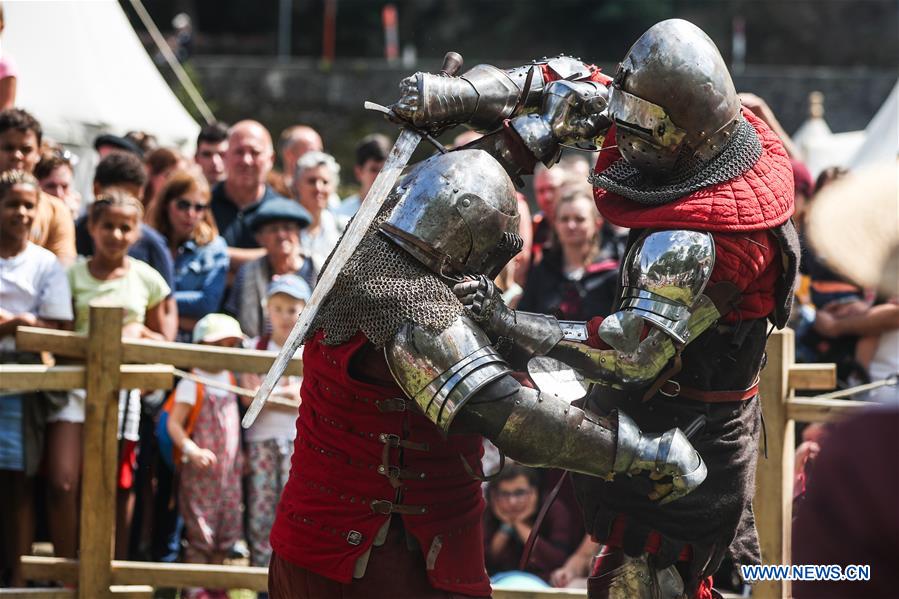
{"points": [[739, 213]]}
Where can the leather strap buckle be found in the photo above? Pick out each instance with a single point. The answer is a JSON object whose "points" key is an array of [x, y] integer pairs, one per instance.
{"points": [[397, 473], [393, 440], [382, 506], [390, 439], [670, 388]]}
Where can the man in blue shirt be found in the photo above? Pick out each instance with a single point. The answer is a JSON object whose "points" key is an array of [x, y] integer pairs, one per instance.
{"points": [[248, 161]]}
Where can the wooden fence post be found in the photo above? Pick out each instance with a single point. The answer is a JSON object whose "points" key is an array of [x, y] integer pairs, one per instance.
{"points": [[99, 480], [773, 502]]}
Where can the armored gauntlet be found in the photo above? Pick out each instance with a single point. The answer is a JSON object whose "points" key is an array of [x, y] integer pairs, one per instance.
{"points": [[572, 111], [520, 334], [482, 97]]}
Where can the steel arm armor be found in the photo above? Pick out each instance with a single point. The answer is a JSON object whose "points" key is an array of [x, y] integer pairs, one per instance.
{"points": [[442, 372], [457, 375], [526, 334], [664, 276]]}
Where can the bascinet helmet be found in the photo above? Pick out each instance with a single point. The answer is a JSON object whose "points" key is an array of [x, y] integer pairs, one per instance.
{"points": [[672, 99], [457, 214]]}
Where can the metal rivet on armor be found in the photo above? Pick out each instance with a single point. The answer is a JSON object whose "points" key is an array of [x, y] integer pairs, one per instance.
{"points": [[382, 437], [382, 469], [466, 203], [354, 537]]}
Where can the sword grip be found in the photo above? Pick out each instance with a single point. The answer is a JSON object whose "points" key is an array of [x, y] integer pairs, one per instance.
{"points": [[452, 62]]}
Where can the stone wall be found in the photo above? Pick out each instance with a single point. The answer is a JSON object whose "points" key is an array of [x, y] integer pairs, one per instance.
{"points": [[330, 99]]}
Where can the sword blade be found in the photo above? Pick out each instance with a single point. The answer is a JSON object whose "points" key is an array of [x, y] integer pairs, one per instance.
{"points": [[396, 161]]}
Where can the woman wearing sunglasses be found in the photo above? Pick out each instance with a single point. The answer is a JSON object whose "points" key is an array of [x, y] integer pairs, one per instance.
{"points": [[181, 213]]}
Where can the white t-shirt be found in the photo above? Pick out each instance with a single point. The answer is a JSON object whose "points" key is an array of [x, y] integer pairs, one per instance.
{"points": [[34, 281], [275, 423]]}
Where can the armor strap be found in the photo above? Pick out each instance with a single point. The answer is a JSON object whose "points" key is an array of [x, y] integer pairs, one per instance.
{"points": [[538, 522], [383, 506], [484, 478], [726, 297], [392, 440], [666, 375], [391, 404]]}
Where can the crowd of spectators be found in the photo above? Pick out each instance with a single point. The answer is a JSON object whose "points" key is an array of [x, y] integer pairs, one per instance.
{"points": [[220, 248]]}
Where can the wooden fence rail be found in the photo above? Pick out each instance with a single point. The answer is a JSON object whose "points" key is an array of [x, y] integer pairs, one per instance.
{"points": [[112, 364]]}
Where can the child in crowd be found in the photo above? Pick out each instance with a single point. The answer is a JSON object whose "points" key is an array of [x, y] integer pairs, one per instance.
{"points": [[513, 499], [112, 276], [209, 493], [270, 439], [33, 292]]}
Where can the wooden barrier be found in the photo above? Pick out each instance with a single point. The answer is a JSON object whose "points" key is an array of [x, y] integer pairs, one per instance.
{"points": [[112, 364], [109, 367], [143, 591], [773, 502]]}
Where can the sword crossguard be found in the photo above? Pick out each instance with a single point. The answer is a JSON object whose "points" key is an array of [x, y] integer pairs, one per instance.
{"points": [[390, 115]]}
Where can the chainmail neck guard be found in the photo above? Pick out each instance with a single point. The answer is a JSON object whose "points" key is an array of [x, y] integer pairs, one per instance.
{"points": [[380, 288], [742, 152]]}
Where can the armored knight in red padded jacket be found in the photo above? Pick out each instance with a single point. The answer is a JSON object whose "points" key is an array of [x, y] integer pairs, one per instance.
{"points": [[706, 189], [399, 385]]}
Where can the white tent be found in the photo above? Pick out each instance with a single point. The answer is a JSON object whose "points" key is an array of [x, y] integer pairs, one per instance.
{"points": [[881, 135], [83, 71], [820, 148], [878, 142]]}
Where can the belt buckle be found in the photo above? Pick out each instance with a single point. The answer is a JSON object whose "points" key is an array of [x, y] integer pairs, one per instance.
{"points": [[390, 439], [354, 537], [674, 393], [389, 471]]}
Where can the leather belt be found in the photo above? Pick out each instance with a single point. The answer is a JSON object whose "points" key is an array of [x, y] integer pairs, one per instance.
{"points": [[674, 389]]}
